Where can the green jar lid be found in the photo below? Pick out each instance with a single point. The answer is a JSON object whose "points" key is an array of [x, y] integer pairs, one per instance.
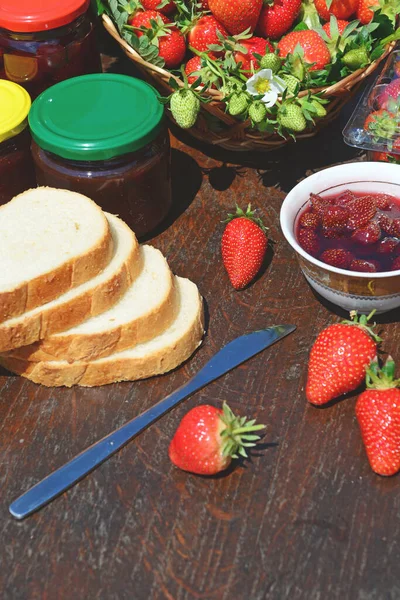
{"points": [[96, 117]]}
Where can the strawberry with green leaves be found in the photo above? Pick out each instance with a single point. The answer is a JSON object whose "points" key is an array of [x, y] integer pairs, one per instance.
{"points": [[378, 416], [243, 247], [247, 58], [315, 51], [277, 17], [339, 357], [163, 6], [341, 9], [185, 107], [203, 33], [208, 438], [236, 16]]}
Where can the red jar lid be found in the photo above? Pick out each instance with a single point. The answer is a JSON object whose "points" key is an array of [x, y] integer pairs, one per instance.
{"points": [[24, 16]]}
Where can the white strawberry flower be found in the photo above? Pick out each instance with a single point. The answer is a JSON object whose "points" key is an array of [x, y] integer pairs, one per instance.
{"points": [[266, 84]]}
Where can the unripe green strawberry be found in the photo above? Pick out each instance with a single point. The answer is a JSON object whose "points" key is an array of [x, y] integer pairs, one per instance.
{"points": [[356, 58], [257, 111], [271, 61], [320, 109], [185, 107], [237, 103], [290, 116], [291, 82]]}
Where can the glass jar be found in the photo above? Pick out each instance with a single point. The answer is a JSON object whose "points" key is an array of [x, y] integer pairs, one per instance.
{"points": [[43, 42], [16, 166], [105, 136]]}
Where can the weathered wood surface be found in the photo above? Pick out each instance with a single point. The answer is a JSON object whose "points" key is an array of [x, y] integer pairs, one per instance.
{"points": [[305, 518]]}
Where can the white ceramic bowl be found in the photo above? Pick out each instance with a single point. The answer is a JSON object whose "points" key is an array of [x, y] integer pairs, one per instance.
{"points": [[350, 290]]}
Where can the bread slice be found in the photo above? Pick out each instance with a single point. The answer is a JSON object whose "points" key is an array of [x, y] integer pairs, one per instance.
{"points": [[159, 355], [50, 241], [145, 310], [82, 302]]}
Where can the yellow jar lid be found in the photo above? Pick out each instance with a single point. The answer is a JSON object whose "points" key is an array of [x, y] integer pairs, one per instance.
{"points": [[15, 103]]}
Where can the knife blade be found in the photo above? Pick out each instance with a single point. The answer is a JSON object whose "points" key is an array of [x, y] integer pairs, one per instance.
{"points": [[226, 359]]}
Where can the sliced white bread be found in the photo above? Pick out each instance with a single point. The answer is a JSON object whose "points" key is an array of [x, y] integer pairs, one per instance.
{"points": [[50, 241], [145, 310], [159, 355], [89, 299]]}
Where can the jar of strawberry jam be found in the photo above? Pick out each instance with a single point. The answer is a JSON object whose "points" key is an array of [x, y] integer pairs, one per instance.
{"points": [[16, 166], [105, 136], [46, 41]]}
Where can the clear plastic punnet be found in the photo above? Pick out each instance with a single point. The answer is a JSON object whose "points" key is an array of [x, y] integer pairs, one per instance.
{"points": [[375, 123]]}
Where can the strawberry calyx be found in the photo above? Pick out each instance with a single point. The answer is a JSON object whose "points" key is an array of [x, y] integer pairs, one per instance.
{"points": [[237, 434], [249, 214], [382, 379], [362, 321]]}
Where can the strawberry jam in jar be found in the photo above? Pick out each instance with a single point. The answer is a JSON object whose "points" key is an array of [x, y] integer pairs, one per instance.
{"points": [[16, 166], [352, 230], [46, 41], [105, 136]]}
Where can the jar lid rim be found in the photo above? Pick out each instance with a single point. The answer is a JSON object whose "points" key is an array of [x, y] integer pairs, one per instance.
{"points": [[96, 117], [27, 16]]}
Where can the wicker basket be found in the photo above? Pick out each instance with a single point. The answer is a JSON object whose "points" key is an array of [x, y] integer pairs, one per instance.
{"points": [[240, 135]]}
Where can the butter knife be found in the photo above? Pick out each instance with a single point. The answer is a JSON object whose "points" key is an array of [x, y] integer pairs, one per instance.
{"points": [[226, 359]]}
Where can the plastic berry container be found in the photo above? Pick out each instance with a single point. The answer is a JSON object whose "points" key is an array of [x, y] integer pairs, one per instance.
{"points": [[375, 123], [105, 136], [43, 42], [16, 166]]}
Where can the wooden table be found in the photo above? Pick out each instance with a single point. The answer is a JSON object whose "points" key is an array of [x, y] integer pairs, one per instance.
{"points": [[305, 518]]}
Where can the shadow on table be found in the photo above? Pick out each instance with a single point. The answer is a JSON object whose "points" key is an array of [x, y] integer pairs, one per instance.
{"points": [[186, 181]]}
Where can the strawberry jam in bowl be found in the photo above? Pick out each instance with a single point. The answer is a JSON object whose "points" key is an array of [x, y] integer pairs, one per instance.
{"points": [[344, 224]]}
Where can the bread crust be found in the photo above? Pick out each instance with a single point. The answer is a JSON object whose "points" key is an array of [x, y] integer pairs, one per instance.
{"points": [[103, 372], [85, 347], [49, 320], [48, 286]]}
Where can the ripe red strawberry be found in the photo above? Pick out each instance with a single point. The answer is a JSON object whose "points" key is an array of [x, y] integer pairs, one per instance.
{"points": [[158, 5], [384, 201], [395, 229], [368, 235], [335, 217], [378, 415], [314, 47], [385, 223], [243, 246], [341, 23], [236, 15], [204, 33], [337, 257], [254, 45], [172, 47], [194, 65], [143, 18], [381, 123], [391, 93], [393, 157], [277, 18], [310, 220], [396, 264], [309, 241], [342, 9], [362, 211], [364, 12], [345, 198], [208, 438], [364, 266], [338, 359], [388, 245], [319, 204]]}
